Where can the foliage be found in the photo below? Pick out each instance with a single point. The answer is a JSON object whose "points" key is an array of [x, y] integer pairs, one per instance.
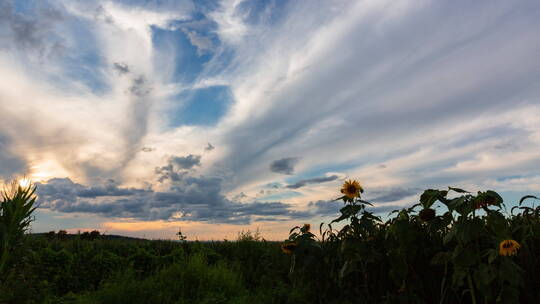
{"points": [[451, 247], [16, 207], [471, 252]]}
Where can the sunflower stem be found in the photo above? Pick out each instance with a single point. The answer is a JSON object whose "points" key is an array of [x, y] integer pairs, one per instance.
{"points": [[471, 287]]}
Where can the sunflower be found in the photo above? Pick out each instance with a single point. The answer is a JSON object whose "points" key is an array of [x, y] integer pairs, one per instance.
{"points": [[306, 228], [352, 189], [508, 247], [427, 214], [288, 248]]}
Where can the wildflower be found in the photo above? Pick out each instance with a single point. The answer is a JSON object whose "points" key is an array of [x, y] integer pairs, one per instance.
{"points": [[288, 248], [427, 214], [352, 189], [306, 228], [508, 247]]}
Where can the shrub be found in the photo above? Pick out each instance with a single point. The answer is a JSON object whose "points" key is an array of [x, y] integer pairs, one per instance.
{"points": [[16, 207]]}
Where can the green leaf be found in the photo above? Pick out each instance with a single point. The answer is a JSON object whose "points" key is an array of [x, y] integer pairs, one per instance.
{"points": [[460, 204], [458, 190], [348, 211], [430, 196], [527, 197], [497, 223], [492, 255], [450, 235], [441, 258]]}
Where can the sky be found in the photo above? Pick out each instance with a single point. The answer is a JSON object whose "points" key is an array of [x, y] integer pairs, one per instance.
{"points": [[142, 117]]}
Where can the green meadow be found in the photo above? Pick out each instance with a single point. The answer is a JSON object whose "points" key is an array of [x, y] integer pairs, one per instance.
{"points": [[472, 249]]}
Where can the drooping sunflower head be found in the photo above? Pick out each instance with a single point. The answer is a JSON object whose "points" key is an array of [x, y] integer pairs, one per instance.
{"points": [[427, 214], [508, 247], [482, 202], [288, 248], [352, 189]]}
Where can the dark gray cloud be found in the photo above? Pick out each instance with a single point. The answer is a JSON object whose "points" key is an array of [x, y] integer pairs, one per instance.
{"points": [[177, 167], [187, 198], [10, 164], [390, 194], [190, 198], [140, 87], [209, 147], [121, 67], [284, 165], [66, 189], [316, 180], [186, 162]]}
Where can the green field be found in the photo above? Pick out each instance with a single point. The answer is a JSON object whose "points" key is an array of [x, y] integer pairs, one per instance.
{"points": [[471, 250]]}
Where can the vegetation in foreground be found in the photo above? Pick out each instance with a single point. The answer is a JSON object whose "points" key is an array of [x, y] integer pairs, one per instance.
{"points": [[472, 252]]}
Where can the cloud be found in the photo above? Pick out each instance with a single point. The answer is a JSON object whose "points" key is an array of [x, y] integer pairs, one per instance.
{"points": [[189, 198], [10, 164], [177, 167], [284, 165], [33, 34], [392, 102], [203, 44], [65, 189], [140, 87], [316, 180], [186, 162]]}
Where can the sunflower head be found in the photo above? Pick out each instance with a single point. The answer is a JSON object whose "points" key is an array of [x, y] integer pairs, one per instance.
{"points": [[306, 228], [427, 214], [351, 189], [482, 202], [288, 248], [508, 247]]}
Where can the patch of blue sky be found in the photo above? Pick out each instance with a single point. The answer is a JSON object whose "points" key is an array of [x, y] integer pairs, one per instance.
{"points": [[189, 60], [279, 196], [25, 7], [203, 107]]}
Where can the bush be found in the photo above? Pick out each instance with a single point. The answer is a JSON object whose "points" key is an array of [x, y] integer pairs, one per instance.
{"points": [[16, 207], [471, 252]]}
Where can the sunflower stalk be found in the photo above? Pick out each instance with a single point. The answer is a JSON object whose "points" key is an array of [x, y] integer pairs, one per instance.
{"points": [[471, 287]]}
